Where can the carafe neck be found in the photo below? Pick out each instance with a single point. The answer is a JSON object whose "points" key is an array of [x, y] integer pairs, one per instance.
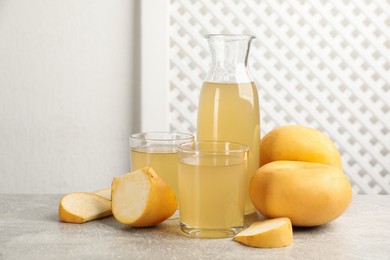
{"points": [[229, 54]]}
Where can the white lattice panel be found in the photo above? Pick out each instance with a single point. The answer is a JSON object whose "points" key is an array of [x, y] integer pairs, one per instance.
{"points": [[319, 63]]}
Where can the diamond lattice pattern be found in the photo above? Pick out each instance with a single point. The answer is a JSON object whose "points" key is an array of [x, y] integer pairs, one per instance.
{"points": [[322, 63]]}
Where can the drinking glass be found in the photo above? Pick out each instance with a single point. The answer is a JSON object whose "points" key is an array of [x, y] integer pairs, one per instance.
{"points": [[159, 151], [212, 177]]}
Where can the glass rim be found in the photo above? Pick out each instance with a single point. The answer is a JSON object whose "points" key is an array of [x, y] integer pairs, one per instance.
{"points": [[177, 136], [229, 36], [244, 148]]}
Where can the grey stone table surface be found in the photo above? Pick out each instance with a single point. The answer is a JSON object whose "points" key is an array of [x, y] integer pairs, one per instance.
{"points": [[30, 229]]}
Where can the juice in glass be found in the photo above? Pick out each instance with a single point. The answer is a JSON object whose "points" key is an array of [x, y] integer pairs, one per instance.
{"points": [[163, 159], [211, 188], [230, 112], [158, 150]]}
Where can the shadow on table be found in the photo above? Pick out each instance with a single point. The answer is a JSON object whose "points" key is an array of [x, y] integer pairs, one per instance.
{"points": [[52, 218], [168, 228], [250, 219], [316, 230]]}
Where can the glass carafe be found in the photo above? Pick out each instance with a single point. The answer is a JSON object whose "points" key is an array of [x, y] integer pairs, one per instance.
{"points": [[228, 103]]}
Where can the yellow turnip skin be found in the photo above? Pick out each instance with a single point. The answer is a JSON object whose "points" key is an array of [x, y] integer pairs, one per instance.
{"points": [[310, 194], [144, 190], [299, 143]]}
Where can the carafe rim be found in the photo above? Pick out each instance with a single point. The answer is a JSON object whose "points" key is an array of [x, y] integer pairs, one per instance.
{"points": [[226, 36]]}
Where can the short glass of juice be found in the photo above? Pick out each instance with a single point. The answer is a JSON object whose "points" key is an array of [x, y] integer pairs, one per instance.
{"points": [[158, 150], [212, 188]]}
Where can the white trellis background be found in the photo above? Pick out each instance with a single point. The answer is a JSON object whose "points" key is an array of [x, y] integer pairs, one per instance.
{"points": [[325, 64]]}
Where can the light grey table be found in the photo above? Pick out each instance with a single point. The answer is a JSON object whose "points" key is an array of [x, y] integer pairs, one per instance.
{"points": [[29, 229]]}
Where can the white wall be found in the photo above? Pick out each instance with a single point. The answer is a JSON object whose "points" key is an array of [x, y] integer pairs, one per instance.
{"points": [[155, 61], [66, 76]]}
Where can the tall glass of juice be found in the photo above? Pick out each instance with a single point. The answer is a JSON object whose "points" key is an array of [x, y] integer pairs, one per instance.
{"points": [[212, 179], [159, 151]]}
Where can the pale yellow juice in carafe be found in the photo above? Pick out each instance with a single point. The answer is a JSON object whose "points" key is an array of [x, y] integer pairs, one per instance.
{"points": [[163, 159], [230, 112], [211, 192]]}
